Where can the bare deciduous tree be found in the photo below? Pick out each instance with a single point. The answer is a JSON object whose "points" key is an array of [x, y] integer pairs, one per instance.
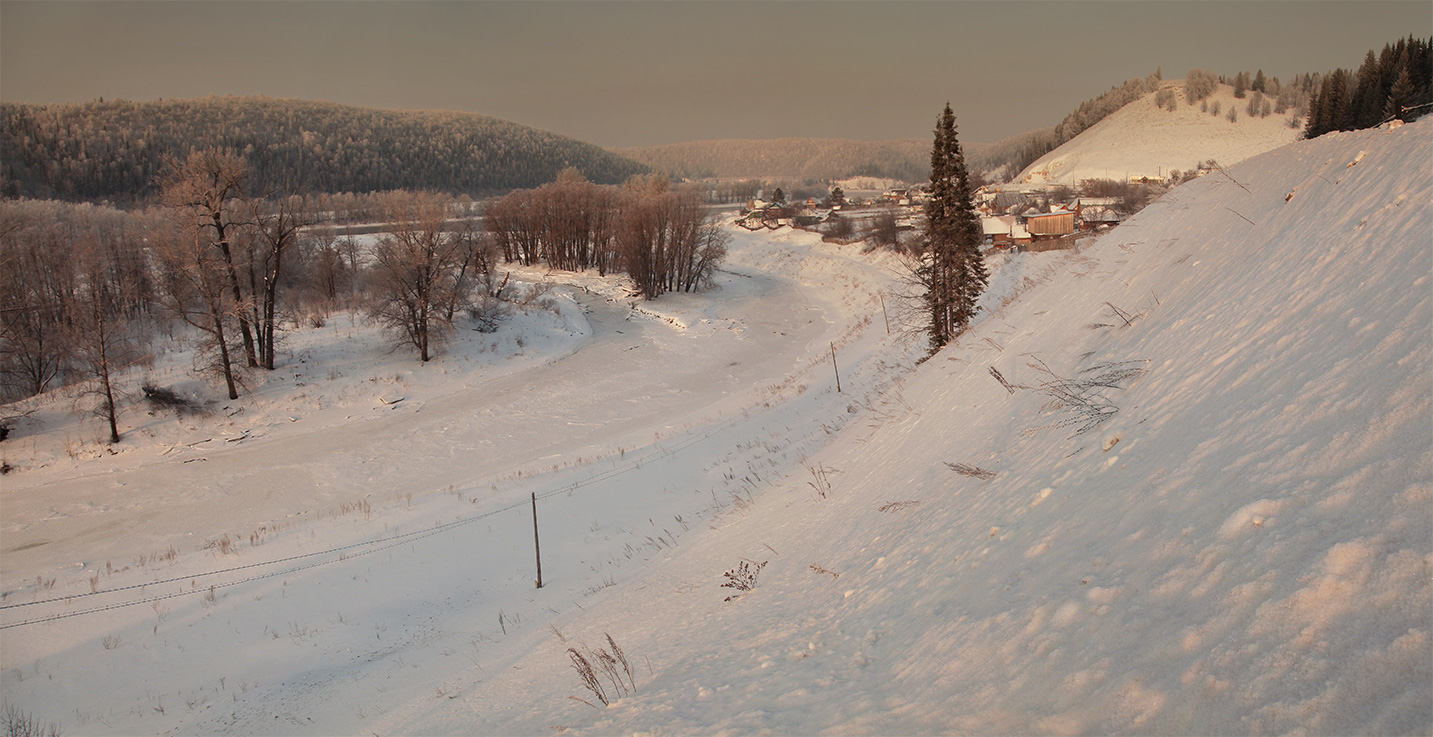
{"points": [[421, 272], [666, 240], [204, 191], [34, 279], [276, 224], [101, 310], [193, 288]]}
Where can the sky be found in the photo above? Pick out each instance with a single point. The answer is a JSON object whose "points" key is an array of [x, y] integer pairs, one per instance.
{"points": [[649, 73]]}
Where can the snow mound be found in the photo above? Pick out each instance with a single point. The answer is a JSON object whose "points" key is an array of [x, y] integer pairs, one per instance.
{"points": [[1142, 139], [1241, 545]]}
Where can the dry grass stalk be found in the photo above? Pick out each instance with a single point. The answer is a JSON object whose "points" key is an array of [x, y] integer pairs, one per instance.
{"points": [[971, 471]]}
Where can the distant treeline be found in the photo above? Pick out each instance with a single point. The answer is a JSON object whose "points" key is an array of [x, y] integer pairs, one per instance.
{"points": [[114, 149], [1398, 82], [793, 160]]}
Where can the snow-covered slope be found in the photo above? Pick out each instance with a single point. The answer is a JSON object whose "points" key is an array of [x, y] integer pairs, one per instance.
{"points": [[1242, 545], [1141, 139]]}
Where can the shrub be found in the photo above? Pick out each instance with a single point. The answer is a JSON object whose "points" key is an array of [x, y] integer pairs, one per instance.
{"points": [[22, 724], [742, 578], [162, 398]]}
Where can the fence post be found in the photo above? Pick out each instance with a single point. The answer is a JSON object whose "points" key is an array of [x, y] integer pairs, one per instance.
{"points": [[833, 368], [536, 544]]}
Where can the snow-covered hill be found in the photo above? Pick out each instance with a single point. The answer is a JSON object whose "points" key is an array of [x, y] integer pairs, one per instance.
{"points": [[1141, 139], [1241, 544]]}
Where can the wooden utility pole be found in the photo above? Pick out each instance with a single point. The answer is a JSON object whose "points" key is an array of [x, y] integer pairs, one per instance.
{"points": [[537, 546], [887, 314], [834, 368]]}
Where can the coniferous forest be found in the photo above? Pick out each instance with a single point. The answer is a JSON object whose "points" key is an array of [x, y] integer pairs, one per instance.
{"points": [[1396, 82], [113, 149]]}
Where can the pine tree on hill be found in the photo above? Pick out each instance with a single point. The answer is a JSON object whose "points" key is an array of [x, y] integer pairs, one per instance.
{"points": [[952, 270], [1369, 96], [1400, 95]]}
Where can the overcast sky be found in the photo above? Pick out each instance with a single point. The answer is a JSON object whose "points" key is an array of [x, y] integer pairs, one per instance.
{"points": [[643, 73]]}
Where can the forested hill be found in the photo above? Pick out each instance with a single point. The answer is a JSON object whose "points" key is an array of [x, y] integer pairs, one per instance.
{"points": [[114, 149], [802, 159]]}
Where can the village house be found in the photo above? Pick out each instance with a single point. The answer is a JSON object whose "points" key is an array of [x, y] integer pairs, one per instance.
{"points": [[1004, 231], [1050, 224]]}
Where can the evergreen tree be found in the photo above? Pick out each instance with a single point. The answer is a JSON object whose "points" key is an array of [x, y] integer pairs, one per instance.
{"points": [[1369, 94], [1338, 105], [1241, 84], [1329, 109], [1259, 84], [952, 270], [1400, 95]]}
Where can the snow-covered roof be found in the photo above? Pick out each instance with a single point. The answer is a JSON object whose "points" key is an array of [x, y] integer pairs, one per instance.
{"points": [[999, 225]]}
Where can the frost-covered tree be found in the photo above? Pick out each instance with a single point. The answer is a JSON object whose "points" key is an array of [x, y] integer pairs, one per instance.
{"points": [[275, 227], [665, 237], [204, 192], [102, 324], [421, 271]]}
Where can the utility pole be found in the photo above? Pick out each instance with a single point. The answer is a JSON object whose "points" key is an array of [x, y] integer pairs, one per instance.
{"points": [[537, 546]]}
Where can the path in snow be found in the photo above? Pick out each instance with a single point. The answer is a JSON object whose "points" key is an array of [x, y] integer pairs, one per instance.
{"points": [[629, 379]]}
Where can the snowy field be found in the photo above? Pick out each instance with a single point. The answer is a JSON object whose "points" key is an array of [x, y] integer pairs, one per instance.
{"points": [[1140, 139], [1223, 528]]}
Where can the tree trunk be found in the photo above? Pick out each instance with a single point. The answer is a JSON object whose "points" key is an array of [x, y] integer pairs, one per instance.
{"points": [[223, 244], [224, 355]]}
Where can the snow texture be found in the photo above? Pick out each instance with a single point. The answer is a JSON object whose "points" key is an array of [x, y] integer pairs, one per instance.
{"points": [[1242, 543]]}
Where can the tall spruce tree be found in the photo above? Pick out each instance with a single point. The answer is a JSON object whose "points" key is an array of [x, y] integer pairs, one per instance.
{"points": [[952, 271]]}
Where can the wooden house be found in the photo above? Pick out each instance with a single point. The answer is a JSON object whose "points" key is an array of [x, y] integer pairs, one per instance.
{"points": [[1051, 224]]}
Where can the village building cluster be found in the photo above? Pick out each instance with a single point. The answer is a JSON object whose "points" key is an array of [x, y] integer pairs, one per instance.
{"points": [[1012, 215]]}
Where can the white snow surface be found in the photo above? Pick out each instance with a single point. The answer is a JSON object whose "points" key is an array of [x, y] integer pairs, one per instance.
{"points": [[1243, 545], [1141, 139]]}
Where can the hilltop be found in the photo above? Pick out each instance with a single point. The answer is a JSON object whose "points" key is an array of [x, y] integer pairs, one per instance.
{"points": [[1142, 139]]}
